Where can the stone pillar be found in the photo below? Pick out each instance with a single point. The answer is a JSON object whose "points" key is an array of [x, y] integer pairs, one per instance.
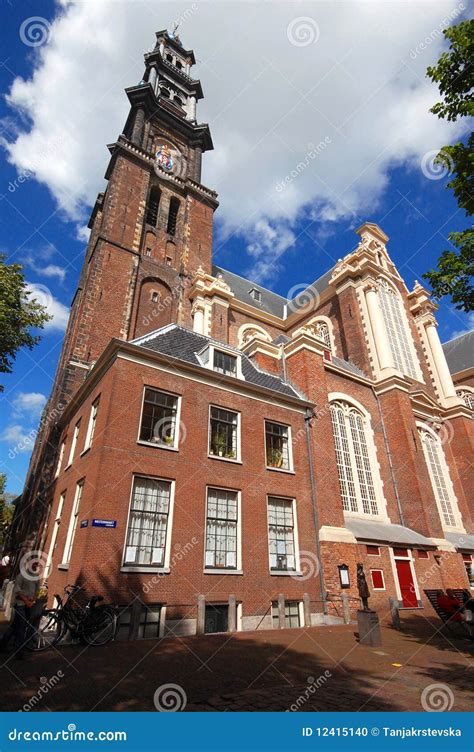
{"points": [[346, 612], [439, 359], [307, 610], [201, 614], [152, 78], [192, 108], [198, 319], [281, 611], [395, 614], [232, 618], [377, 326], [197, 164], [137, 133]]}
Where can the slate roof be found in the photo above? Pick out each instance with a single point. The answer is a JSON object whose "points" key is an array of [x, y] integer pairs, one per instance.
{"points": [[460, 352], [183, 344], [346, 365], [270, 302]]}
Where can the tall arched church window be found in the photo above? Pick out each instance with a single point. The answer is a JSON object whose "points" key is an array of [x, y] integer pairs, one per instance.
{"points": [[467, 397], [356, 479], [396, 327], [439, 475], [153, 205], [172, 216]]}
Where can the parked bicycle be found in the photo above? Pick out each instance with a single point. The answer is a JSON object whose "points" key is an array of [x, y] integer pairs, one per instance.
{"points": [[91, 624]]}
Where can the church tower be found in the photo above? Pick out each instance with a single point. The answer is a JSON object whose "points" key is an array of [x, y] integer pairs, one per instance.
{"points": [[152, 227]]}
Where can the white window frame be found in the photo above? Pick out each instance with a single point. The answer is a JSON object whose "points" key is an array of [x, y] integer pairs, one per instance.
{"points": [[452, 498], [60, 458], [238, 567], [91, 424], [300, 613], [378, 589], [324, 320], [285, 572], [373, 460], [174, 447], [466, 391], [75, 437], [206, 358], [290, 468], [153, 569], [54, 535], [71, 532], [236, 459]]}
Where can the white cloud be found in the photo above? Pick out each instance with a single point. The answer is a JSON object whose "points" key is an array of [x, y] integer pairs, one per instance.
{"points": [[360, 87], [469, 327], [53, 306], [29, 403], [50, 270], [19, 437]]}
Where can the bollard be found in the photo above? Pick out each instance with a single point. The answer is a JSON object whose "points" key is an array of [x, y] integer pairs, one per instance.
{"points": [[345, 608], [396, 623]]}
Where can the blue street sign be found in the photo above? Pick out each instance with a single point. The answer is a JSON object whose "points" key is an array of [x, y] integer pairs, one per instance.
{"points": [[104, 523], [84, 523]]}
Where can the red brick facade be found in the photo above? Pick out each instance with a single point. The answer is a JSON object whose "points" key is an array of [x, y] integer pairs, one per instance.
{"points": [[145, 269]]}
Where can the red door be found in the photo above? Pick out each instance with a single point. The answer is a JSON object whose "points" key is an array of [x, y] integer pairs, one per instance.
{"points": [[407, 586]]}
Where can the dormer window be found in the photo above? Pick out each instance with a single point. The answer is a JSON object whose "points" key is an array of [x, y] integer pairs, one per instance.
{"points": [[179, 65], [256, 294], [225, 363], [221, 361], [169, 57]]}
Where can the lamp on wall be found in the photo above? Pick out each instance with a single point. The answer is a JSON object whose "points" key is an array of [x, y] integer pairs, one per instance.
{"points": [[344, 575]]}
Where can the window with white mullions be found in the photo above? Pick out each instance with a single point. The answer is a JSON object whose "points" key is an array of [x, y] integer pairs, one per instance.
{"points": [[281, 534], [438, 471], [223, 437], [277, 445], [396, 327], [225, 363], [158, 424], [221, 529], [467, 397], [148, 522], [73, 523], [292, 614], [356, 479]]}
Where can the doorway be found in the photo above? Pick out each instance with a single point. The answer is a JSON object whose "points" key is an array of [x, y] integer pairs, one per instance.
{"points": [[405, 577], [217, 618]]}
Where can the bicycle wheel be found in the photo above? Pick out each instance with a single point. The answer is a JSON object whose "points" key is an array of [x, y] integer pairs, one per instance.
{"points": [[47, 631], [99, 626]]}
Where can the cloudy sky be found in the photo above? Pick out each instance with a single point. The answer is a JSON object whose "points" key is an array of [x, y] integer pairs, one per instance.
{"points": [[319, 113]]}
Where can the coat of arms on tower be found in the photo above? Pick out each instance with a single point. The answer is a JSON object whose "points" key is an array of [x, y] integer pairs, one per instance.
{"points": [[163, 158]]}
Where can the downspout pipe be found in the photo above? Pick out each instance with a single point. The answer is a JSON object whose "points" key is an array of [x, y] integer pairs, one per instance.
{"points": [[309, 444], [390, 460]]}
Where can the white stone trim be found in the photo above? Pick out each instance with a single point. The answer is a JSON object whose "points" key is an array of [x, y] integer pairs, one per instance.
{"points": [[330, 534]]}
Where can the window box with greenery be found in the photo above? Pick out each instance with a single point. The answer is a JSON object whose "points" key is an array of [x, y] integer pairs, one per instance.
{"points": [[160, 419], [223, 434], [278, 446]]}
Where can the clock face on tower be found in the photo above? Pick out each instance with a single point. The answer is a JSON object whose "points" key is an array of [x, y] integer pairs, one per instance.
{"points": [[167, 158]]}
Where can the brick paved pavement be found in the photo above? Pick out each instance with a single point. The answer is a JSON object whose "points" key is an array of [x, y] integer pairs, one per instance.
{"points": [[319, 669]]}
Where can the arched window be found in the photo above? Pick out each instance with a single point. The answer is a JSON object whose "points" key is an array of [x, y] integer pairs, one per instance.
{"points": [[165, 93], [397, 329], [439, 475], [467, 397], [172, 216], [321, 331], [152, 207], [356, 479], [178, 101]]}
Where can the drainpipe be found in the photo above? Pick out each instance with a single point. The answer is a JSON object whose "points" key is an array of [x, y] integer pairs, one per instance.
{"points": [[308, 418], [390, 461]]}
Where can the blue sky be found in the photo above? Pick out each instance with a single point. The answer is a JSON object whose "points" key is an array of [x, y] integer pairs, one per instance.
{"points": [[296, 232]]}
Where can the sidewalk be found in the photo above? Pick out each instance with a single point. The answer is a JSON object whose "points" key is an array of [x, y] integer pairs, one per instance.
{"points": [[316, 669]]}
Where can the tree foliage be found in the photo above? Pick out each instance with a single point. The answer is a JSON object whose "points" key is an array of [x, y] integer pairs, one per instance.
{"points": [[454, 75], [18, 315]]}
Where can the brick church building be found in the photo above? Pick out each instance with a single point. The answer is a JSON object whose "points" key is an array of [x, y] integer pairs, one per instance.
{"points": [[216, 457]]}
